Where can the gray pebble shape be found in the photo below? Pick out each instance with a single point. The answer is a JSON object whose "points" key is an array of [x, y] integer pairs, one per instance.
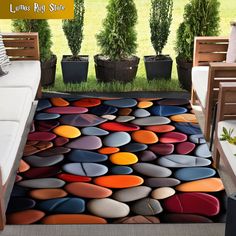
{"points": [[85, 169], [132, 194], [151, 120], [152, 170], [140, 113], [176, 161], [147, 207], [37, 161], [42, 183], [117, 139], [203, 151]]}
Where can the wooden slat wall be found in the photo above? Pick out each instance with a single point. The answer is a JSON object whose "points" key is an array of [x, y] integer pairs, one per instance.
{"points": [[22, 46], [209, 49]]}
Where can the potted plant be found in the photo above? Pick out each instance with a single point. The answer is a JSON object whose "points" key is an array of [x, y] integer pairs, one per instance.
{"points": [[75, 67], [117, 41], [159, 66], [48, 59], [201, 18]]}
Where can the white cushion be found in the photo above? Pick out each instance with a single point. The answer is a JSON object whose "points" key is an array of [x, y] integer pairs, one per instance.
{"points": [[200, 82], [228, 149], [15, 104], [23, 74], [231, 53], [10, 139]]}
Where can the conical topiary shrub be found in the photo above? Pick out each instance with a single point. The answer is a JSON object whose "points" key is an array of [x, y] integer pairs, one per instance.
{"points": [[75, 67], [159, 66], [117, 41]]}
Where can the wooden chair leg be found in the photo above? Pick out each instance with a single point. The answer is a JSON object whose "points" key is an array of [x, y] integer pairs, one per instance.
{"points": [[216, 157], [193, 97], [2, 217], [2, 206], [207, 125], [39, 92]]}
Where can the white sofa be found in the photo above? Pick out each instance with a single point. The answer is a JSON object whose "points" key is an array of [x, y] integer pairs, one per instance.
{"points": [[18, 90]]}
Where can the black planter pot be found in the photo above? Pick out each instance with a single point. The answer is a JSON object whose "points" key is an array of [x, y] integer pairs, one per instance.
{"points": [[75, 71], [158, 68], [48, 71], [110, 71], [184, 70]]}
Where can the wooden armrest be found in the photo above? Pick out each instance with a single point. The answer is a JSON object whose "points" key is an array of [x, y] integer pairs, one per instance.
{"points": [[227, 101], [222, 66], [22, 46], [209, 49], [222, 70]]}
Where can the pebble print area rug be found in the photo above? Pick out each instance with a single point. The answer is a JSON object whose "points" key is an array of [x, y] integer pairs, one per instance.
{"points": [[98, 161]]}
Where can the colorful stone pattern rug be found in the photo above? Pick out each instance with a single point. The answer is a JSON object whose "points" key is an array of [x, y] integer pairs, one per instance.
{"points": [[115, 161]]}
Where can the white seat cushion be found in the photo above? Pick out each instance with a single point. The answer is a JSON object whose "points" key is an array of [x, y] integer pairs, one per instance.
{"points": [[10, 139], [23, 74], [15, 104], [200, 82], [228, 149]]}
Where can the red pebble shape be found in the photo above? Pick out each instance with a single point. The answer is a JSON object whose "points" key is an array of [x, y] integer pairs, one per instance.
{"points": [[61, 141], [193, 203], [74, 178], [162, 148], [42, 172], [46, 126], [87, 102], [173, 137], [114, 126], [185, 148], [67, 110], [41, 136]]}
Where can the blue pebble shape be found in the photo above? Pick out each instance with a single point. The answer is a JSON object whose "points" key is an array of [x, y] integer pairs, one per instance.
{"points": [[94, 131], [46, 116], [121, 170], [63, 205], [188, 128], [86, 156], [103, 110], [20, 204], [167, 110], [122, 103], [43, 104], [196, 173], [134, 147], [19, 191]]}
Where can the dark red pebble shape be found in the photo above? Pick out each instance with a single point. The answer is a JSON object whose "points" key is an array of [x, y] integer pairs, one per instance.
{"points": [[73, 178], [42, 172]]}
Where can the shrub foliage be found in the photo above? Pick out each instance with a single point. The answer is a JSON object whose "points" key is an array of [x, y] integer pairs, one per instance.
{"points": [[117, 39], [201, 18], [73, 29], [44, 31], [160, 22]]}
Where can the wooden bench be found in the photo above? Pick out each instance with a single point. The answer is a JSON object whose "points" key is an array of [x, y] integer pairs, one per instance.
{"points": [[209, 69]]}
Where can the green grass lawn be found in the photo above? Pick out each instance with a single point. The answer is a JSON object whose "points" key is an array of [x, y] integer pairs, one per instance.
{"points": [[95, 13]]}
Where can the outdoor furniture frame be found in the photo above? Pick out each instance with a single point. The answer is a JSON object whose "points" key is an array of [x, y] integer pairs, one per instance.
{"points": [[19, 46], [211, 51], [223, 155]]}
